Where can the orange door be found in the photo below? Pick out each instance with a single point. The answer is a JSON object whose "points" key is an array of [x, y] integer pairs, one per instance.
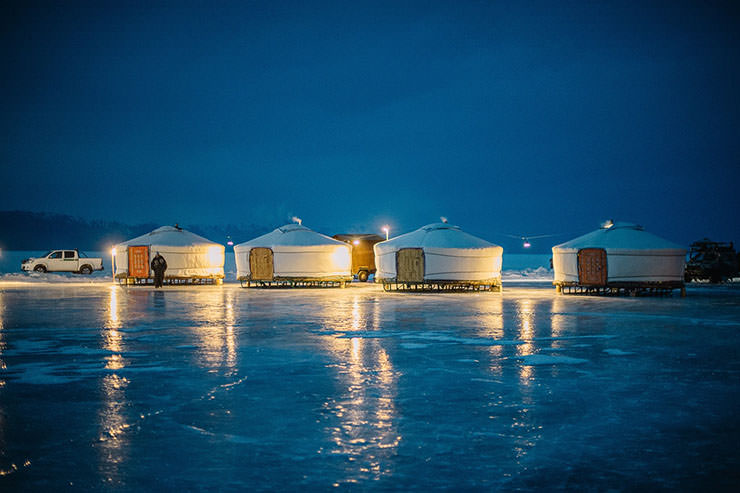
{"points": [[138, 261], [592, 267]]}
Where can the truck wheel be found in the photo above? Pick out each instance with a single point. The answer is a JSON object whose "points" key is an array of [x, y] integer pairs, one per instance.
{"points": [[39, 268], [362, 276], [86, 270]]}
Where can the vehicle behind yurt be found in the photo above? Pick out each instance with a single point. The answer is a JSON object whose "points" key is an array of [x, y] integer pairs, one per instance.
{"points": [[293, 256], [438, 257], [619, 258], [363, 256], [191, 259]]}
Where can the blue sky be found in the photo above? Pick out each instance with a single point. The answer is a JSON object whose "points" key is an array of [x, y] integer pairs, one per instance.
{"points": [[521, 119]]}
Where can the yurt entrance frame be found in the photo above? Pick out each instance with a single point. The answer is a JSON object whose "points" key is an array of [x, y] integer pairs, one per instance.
{"points": [[138, 261], [410, 272], [261, 264], [593, 279], [592, 267], [262, 274], [410, 266]]}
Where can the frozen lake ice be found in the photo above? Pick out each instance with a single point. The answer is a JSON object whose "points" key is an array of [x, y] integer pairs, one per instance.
{"points": [[218, 387]]}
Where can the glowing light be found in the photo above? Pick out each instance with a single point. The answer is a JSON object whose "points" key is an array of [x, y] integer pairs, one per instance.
{"points": [[386, 229], [341, 258], [527, 244], [356, 242], [216, 255], [230, 243], [113, 263]]}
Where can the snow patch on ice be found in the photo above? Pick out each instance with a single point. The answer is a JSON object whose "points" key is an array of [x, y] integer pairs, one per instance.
{"points": [[536, 274], [413, 345], [437, 337], [617, 352], [547, 359], [565, 338], [38, 374], [48, 278], [365, 334]]}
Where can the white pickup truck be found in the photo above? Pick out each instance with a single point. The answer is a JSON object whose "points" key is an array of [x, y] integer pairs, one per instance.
{"points": [[63, 261]]}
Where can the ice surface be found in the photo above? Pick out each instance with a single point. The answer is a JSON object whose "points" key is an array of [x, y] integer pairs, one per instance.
{"points": [[546, 359], [618, 352], [221, 388]]}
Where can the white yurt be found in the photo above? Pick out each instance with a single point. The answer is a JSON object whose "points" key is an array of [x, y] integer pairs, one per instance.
{"points": [[189, 257], [293, 255], [436, 255], [619, 254]]}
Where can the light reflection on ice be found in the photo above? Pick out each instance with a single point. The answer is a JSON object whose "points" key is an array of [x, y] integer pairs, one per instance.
{"points": [[491, 326], [113, 449], [366, 402], [215, 330], [2, 339], [525, 318]]}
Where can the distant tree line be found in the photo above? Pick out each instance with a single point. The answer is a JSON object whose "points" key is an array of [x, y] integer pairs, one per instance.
{"points": [[25, 230]]}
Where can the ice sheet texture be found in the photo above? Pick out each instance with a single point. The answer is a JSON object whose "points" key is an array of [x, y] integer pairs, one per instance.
{"points": [[218, 388]]}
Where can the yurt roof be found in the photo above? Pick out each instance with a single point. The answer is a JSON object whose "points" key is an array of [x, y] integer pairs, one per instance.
{"points": [[170, 236], [620, 236], [290, 235], [437, 235]]}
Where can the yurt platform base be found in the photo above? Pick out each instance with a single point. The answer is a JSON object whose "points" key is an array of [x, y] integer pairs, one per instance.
{"points": [[441, 286], [623, 289], [171, 281], [295, 283]]}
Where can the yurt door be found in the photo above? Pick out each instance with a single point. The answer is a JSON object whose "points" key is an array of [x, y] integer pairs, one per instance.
{"points": [[410, 265], [138, 261], [261, 264], [592, 267]]}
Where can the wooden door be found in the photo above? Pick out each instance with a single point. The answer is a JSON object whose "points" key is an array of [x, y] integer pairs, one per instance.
{"points": [[138, 261], [592, 267], [261, 264], [410, 265]]}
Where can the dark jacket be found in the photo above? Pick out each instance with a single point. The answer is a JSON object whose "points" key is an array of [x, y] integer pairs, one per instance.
{"points": [[159, 263]]}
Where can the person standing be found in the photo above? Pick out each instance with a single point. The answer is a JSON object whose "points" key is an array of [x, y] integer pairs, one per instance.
{"points": [[159, 265]]}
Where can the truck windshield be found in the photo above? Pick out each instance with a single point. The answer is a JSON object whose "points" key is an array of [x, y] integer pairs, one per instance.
{"points": [[82, 254]]}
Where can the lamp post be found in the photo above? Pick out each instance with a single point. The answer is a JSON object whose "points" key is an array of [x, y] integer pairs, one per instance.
{"points": [[113, 263], [386, 229]]}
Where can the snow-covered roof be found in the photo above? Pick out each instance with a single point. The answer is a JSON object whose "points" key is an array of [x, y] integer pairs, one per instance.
{"points": [[169, 236], [435, 235], [619, 236], [289, 235]]}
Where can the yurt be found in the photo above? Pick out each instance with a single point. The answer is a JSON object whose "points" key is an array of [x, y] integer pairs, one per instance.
{"points": [[190, 258], [438, 257], [293, 256], [618, 258]]}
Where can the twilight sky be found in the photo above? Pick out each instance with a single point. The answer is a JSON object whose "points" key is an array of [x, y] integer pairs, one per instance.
{"points": [[506, 118]]}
